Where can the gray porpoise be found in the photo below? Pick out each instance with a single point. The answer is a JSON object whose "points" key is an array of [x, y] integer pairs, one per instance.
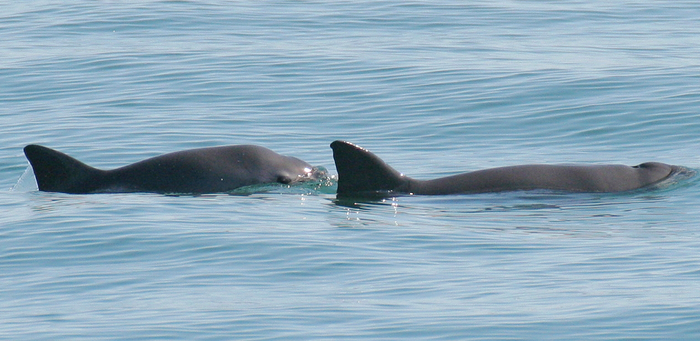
{"points": [[362, 173], [196, 171]]}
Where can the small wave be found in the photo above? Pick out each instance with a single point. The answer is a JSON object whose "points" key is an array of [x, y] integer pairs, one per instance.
{"points": [[681, 177], [326, 184]]}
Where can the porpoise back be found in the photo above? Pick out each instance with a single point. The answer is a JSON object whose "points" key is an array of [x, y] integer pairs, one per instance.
{"points": [[362, 173], [196, 171]]}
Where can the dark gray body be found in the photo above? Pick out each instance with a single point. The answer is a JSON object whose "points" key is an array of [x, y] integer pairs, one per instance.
{"points": [[361, 172], [196, 171]]}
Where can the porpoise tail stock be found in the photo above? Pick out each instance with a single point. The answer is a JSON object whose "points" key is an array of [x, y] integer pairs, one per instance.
{"points": [[196, 171], [361, 173]]}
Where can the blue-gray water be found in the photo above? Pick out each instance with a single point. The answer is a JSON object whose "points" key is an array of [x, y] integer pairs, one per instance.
{"points": [[434, 88]]}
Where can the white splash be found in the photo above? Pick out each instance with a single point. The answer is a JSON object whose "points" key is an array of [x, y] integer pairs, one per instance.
{"points": [[26, 182]]}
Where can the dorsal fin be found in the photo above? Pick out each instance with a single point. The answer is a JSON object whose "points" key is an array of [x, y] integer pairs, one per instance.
{"points": [[58, 172], [360, 172]]}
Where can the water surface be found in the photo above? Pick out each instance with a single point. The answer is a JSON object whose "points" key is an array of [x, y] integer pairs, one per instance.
{"points": [[433, 88]]}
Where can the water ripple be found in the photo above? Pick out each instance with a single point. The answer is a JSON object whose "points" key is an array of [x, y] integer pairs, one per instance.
{"points": [[434, 88]]}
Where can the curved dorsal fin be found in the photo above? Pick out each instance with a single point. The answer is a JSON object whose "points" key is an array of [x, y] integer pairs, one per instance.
{"points": [[361, 172], [58, 172]]}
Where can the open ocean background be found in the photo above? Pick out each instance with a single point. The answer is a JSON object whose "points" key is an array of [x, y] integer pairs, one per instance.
{"points": [[434, 88]]}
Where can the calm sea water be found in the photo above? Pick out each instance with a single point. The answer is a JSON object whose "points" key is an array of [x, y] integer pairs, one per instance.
{"points": [[434, 88]]}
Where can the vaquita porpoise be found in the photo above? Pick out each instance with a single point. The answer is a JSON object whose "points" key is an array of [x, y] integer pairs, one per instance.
{"points": [[362, 173], [196, 171]]}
